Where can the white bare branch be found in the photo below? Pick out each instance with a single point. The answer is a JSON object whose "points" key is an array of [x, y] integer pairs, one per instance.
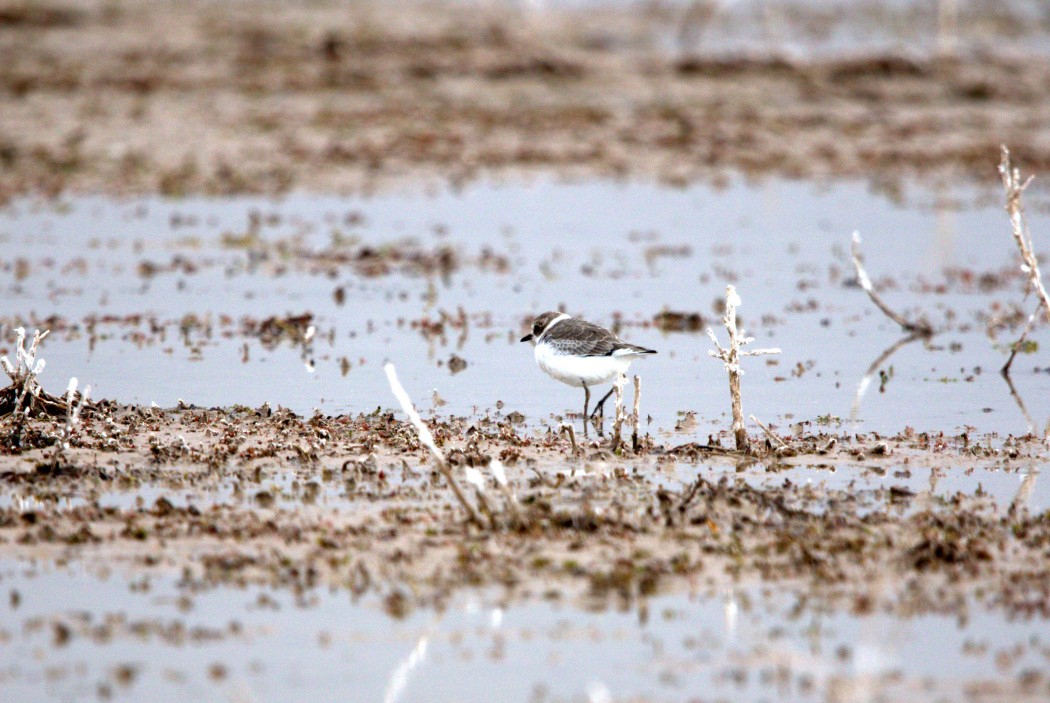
{"points": [[920, 326], [730, 358], [1014, 187], [427, 439]]}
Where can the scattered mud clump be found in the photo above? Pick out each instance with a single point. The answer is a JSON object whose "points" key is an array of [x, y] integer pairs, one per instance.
{"points": [[242, 495], [341, 98]]}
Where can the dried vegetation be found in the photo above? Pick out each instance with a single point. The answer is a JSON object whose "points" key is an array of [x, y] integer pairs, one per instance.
{"points": [[265, 496]]}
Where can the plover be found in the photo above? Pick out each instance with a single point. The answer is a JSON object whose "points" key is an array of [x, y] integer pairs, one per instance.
{"points": [[581, 353]]}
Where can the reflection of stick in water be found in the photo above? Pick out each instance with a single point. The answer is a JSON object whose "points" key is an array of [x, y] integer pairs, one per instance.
{"points": [[920, 326], [1019, 344], [399, 678], [1005, 373], [865, 381], [730, 612], [1024, 411], [1024, 493]]}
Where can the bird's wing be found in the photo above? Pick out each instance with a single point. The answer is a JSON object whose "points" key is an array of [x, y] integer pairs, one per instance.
{"points": [[583, 338]]}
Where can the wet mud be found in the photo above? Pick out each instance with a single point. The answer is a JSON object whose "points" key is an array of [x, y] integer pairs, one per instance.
{"points": [[342, 510], [184, 98], [263, 496]]}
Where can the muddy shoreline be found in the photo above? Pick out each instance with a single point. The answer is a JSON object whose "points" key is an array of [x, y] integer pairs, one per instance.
{"points": [[185, 98], [260, 496], [849, 527]]}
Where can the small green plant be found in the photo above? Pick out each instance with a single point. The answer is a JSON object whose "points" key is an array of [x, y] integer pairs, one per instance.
{"points": [[884, 378], [828, 419]]}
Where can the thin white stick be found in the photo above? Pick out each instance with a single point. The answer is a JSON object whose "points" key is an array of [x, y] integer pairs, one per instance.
{"points": [[72, 412], [1014, 187], [500, 474], [636, 420], [474, 477], [400, 676], [427, 439], [619, 417], [731, 360], [571, 431], [921, 326], [769, 432]]}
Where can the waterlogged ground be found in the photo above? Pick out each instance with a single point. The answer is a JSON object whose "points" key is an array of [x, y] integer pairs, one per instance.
{"points": [[209, 301], [173, 553], [906, 508], [242, 513], [155, 641]]}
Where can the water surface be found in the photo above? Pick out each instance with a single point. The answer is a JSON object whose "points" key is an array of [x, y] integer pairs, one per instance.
{"points": [[160, 297]]}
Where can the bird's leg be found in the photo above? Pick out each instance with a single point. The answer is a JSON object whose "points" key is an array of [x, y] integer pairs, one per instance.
{"points": [[586, 403], [599, 410]]}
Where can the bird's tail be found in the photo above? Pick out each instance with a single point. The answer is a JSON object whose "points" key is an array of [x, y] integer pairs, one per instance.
{"points": [[633, 350]]}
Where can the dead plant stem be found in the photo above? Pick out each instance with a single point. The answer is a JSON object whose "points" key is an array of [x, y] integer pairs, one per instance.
{"points": [[1015, 187], [731, 359], [637, 416], [427, 439], [921, 326]]}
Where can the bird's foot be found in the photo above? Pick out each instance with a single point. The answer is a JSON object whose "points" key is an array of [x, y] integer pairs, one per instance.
{"points": [[598, 421]]}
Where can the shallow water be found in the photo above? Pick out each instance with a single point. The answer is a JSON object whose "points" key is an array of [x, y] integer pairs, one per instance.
{"points": [[606, 251], [74, 633], [816, 28], [868, 484]]}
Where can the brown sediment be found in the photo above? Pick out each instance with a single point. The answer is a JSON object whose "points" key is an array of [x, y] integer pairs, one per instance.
{"points": [[197, 97], [262, 495]]}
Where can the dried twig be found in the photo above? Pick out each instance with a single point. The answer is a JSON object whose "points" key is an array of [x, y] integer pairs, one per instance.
{"points": [[72, 413], [769, 432], [26, 368], [636, 420], [1014, 187], [921, 326], [617, 440], [731, 359], [427, 439], [500, 474], [474, 478], [25, 388], [568, 429]]}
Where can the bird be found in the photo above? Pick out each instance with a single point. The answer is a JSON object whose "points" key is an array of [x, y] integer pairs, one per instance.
{"points": [[581, 354]]}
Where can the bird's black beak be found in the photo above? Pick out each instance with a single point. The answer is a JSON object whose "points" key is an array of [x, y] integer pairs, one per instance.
{"points": [[527, 338]]}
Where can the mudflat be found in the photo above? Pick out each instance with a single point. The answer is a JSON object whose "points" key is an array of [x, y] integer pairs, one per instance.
{"points": [[253, 97], [114, 117]]}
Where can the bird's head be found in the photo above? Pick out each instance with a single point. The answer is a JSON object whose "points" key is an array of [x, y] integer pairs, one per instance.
{"points": [[539, 325]]}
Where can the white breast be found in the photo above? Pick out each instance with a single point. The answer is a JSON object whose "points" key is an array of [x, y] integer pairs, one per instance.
{"points": [[580, 370]]}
